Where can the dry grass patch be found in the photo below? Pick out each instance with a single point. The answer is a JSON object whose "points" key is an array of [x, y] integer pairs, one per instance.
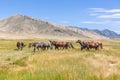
{"points": [[104, 65]]}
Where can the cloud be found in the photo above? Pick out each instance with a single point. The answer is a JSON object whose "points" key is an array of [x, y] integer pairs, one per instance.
{"points": [[93, 14], [105, 13], [65, 21], [46, 17], [110, 22], [90, 22], [110, 16], [105, 10]]}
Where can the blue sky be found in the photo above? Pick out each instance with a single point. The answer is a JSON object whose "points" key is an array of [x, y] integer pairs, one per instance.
{"points": [[92, 14]]}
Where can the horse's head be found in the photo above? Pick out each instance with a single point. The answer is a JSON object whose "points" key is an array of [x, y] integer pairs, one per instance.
{"points": [[78, 41], [30, 45], [52, 42]]}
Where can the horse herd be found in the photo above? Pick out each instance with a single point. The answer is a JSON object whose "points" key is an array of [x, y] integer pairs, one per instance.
{"points": [[60, 45]]}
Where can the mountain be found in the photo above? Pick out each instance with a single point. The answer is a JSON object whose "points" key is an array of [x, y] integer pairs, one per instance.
{"points": [[108, 33], [26, 26]]}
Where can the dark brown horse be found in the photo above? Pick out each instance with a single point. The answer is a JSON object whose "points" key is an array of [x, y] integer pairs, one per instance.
{"points": [[61, 44], [84, 45], [90, 45], [20, 45]]}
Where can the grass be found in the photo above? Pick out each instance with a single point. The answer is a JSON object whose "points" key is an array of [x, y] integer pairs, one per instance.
{"points": [[68, 64]]}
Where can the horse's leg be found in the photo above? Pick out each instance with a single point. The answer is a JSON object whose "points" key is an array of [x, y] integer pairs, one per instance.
{"points": [[47, 47], [81, 48], [71, 45], [21, 48], [44, 47], [51, 47], [87, 48], [55, 47], [62, 47], [18, 47], [34, 49], [101, 46], [38, 48], [67, 46], [95, 48]]}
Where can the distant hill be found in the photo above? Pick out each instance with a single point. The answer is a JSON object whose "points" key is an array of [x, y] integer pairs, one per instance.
{"points": [[105, 32], [25, 25], [108, 33]]}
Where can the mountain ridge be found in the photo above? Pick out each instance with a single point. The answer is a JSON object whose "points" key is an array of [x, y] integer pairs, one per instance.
{"points": [[25, 25]]}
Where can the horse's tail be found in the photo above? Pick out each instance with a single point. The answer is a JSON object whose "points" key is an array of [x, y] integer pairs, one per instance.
{"points": [[71, 45], [101, 45]]}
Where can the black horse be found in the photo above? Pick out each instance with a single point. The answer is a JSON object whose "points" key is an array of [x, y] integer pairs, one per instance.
{"points": [[20, 45], [42, 45], [84, 45]]}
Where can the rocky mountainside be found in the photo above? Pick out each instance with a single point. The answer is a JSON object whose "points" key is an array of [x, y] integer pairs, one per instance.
{"points": [[20, 24], [108, 33]]}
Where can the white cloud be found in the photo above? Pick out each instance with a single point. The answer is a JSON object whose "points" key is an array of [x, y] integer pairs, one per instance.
{"points": [[105, 13], [105, 10], [94, 14], [97, 9], [46, 17], [110, 16], [65, 21], [90, 22], [110, 22]]}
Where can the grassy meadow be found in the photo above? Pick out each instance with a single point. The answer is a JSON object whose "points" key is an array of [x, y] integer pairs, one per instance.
{"points": [[67, 64]]}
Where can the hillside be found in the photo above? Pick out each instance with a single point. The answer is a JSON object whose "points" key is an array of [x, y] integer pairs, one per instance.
{"points": [[108, 33], [24, 25]]}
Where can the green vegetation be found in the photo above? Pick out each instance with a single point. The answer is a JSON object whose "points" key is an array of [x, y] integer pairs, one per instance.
{"points": [[68, 64]]}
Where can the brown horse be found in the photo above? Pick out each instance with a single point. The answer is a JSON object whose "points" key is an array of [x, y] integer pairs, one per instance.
{"points": [[90, 45], [20, 45], [61, 44], [100, 44], [94, 45]]}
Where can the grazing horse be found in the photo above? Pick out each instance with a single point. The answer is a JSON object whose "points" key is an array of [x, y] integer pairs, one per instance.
{"points": [[42, 45], [89, 45], [83, 44], [61, 44], [20, 45]]}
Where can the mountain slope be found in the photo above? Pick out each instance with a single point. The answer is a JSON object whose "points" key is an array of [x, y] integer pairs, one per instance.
{"points": [[19, 24], [108, 33]]}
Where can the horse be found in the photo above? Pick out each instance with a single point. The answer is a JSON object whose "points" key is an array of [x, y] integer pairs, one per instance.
{"points": [[42, 45], [69, 45], [20, 45], [83, 44], [93, 44], [89, 45], [100, 44], [61, 44]]}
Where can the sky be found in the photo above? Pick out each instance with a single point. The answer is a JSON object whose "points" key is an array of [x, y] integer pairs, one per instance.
{"points": [[92, 14]]}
